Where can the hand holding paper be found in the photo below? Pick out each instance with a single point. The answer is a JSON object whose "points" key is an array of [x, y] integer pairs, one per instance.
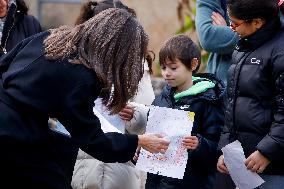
{"points": [[153, 143], [256, 162], [127, 113], [190, 142], [221, 167], [234, 159], [175, 125]]}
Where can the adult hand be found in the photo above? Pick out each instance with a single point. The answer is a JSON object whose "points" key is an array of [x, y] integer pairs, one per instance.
{"points": [[221, 167], [126, 113], [218, 20], [256, 162], [190, 142], [154, 143]]}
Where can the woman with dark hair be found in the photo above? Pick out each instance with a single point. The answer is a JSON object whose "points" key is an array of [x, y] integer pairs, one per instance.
{"points": [[15, 24], [254, 104], [89, 172], [79, 63]]}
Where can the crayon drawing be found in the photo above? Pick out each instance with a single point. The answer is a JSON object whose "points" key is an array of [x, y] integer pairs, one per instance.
{"points": [[174, 125]]}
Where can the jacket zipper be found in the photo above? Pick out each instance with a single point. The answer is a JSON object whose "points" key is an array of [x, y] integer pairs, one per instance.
{"points": [[4, 48]]}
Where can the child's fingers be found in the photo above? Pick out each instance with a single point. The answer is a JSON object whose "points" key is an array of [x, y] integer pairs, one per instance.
{"points": [[250, 164], [192, 142], [126, 114], [221, 167], [190, 139], [255, 168], [125, 117], [190, 145]]}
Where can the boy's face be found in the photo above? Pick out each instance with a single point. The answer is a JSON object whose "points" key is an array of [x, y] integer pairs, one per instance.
{"points": [[177, 75]]}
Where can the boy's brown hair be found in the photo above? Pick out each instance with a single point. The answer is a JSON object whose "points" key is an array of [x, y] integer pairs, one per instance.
{"points": [[180, 47]]}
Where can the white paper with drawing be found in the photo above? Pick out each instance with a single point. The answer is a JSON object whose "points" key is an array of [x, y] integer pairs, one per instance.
{"points": [[174, 124], [234, 159]]}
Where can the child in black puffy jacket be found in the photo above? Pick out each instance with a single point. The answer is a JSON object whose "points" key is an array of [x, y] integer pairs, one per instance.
{"points": [[201, 94]]}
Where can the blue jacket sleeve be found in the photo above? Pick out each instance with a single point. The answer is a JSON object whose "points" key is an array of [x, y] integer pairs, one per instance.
{"points": [[215, 39]]}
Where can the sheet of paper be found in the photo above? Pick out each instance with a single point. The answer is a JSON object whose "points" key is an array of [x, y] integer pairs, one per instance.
{"points": [[234, 159], [108, 120], [141, 107], [174, 125], [105, 124]]}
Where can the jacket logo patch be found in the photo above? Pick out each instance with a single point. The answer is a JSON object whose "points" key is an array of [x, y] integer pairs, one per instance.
{"points": [[254, 61], [184, 107]]}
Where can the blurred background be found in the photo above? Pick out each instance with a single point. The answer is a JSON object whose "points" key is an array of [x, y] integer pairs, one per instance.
{"points": [[161, 19]]}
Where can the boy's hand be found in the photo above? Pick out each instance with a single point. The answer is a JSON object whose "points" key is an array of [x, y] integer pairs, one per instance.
{"points": [[221, 167], [190, 142], [256, 162], [126, 113]]}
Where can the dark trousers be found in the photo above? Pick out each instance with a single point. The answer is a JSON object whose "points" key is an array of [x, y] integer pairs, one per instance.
{"points": [[223, 181]]}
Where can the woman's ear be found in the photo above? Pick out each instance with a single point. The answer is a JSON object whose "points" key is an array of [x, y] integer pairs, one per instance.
{"points": [[194, 64], [258, 23]]}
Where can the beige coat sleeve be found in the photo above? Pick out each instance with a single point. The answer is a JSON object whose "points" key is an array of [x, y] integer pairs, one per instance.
{"points": [[90, 173]]}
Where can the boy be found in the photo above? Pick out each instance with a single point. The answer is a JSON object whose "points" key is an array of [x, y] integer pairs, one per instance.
{"points": [[201, 94]]}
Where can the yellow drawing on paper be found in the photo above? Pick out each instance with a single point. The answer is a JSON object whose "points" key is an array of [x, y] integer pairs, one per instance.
{"points": [[191, 116]]}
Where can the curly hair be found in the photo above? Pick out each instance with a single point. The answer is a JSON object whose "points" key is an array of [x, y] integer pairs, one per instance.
{"points": [[113, 44]]}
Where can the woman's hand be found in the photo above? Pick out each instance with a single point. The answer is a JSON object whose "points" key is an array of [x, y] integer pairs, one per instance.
{"points": [[218, 20], [256, 162], [154, 143], [127, 113], [221, 167], [190, 142]]}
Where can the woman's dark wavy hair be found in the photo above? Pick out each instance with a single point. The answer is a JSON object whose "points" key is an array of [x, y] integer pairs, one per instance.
{"points": [[92, 8], [250, 9], [180, 47], [112, 43], [22, 6]]}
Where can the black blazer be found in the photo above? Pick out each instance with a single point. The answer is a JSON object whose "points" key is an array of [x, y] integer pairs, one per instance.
{"points": [[32, 89]]}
